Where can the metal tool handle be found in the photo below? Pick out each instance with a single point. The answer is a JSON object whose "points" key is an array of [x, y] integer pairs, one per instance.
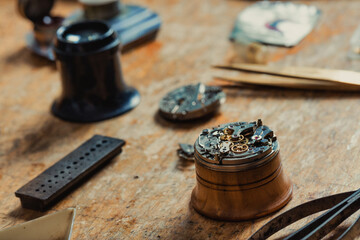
{"points": [[325, 223], [297, 213], [327, 75]]}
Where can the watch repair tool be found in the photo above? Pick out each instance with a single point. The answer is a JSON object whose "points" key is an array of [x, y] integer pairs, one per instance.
{"points": [[191, 102], [133, 24], [239, 172], [93, 88], [341, 206], [53, 184], [293, 77], [38, 12]]}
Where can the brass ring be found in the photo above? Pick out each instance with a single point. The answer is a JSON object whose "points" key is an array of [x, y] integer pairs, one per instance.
{"points": [[242, 141], [239, 148]]}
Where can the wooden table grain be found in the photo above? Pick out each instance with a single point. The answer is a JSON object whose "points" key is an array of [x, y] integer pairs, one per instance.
{"points": [[144, 193]]}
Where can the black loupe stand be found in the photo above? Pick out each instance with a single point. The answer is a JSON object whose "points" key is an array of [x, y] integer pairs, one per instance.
{"points": [[93, 88]]}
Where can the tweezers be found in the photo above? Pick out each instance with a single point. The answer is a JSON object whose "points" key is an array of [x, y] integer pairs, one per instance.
{"points": [[341, 206], [293, 77]]}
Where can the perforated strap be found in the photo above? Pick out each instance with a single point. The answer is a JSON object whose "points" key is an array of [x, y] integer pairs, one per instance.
{"points": [[55, 182]]}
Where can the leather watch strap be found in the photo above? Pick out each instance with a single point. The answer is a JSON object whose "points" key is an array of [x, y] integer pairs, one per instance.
{"points": [[52, 184]]}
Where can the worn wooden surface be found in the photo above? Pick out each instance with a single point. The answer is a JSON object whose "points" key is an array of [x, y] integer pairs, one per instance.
{"points": [[145, 192]]}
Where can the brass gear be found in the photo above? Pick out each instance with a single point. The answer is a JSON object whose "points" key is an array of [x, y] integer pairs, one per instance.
{"points": [[239, 148]]}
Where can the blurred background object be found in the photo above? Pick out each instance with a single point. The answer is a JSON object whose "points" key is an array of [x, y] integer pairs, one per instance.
{"points": [[45, 25], [274, 23], [354, 52], [133, 24]]}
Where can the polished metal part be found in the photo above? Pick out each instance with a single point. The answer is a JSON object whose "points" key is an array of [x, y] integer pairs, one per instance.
{"points": [[35, 10], [340, 206], [191, 102]]}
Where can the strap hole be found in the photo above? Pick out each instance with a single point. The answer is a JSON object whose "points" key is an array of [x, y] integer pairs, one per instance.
{"points": [[44, 190], [42, 185], [92, 149], [104, 141], [98, 145], [81, 158], [37, 190], [50, 186], [87, 154], [62, 172], [56, 182], [68, 167], [49, 180], [56, 176]]}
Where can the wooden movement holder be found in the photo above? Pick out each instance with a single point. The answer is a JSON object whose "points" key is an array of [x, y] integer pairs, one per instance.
{"points": [[240, 192]]}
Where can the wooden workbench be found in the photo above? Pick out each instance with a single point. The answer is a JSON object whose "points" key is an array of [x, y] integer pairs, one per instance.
{"points": [[144, 193]]}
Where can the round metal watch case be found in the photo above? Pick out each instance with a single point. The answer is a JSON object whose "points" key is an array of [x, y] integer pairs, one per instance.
{"points": [[191, 102]]}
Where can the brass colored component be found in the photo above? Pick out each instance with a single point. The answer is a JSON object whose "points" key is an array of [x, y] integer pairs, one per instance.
{"points": [[225, 137], [239, 148], [294, 77], [242, 141], [228, 131]]}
